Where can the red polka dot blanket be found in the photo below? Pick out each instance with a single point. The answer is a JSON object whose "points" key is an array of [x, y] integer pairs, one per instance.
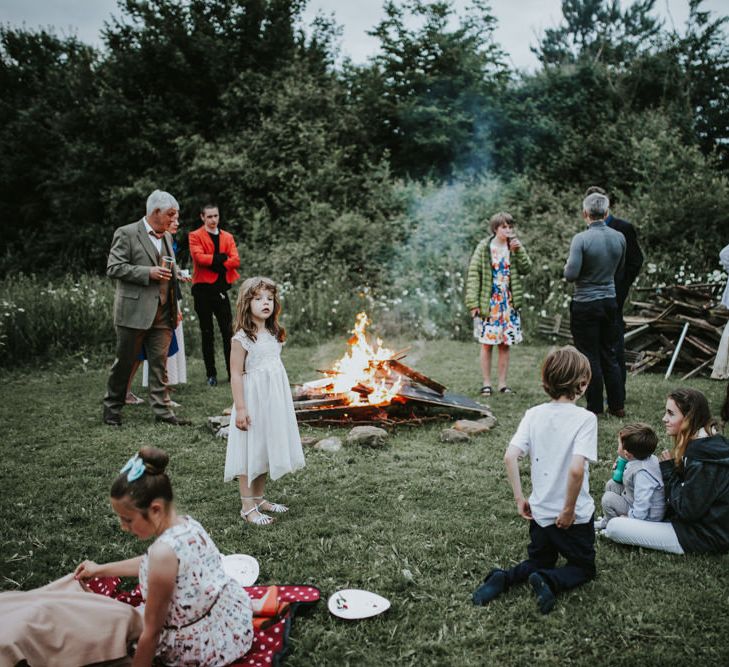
{"points": [[270, 643]]}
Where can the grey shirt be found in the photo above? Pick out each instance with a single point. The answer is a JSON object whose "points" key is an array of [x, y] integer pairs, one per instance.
{"points": [[596, 255]]}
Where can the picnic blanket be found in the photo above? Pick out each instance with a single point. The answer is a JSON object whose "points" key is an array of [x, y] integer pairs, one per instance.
{"points": [[270, 644]]}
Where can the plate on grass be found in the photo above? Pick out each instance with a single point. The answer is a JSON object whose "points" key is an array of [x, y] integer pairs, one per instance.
{"points": [[241, 567], [354, 604]]}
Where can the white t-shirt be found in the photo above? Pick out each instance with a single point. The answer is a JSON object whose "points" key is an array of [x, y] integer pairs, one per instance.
{"points": [[552, 433]]}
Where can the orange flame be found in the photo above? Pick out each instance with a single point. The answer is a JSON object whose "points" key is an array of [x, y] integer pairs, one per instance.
{"points": [[359, 367]]}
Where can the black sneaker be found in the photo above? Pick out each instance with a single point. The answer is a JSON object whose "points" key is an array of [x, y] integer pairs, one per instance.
{"points": [[545, 597], [111, 418], [493, 586], [212, 381]]}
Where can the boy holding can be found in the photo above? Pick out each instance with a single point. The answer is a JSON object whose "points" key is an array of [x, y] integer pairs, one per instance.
{"points": [[636, 487]]}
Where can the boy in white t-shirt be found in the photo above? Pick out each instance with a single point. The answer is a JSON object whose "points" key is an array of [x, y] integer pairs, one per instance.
{"points": [[560, 438]]}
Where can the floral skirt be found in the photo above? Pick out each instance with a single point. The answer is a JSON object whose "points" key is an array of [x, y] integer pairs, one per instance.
{"points": [[503, 325]]}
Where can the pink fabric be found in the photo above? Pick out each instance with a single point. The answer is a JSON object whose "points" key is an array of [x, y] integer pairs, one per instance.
{"points": [[60, 624]]}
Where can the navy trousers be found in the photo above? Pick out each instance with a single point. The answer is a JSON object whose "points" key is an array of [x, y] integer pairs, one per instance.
{"points": [[576, 544]]}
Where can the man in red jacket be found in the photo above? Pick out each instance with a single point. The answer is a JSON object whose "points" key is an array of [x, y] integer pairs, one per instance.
{"points": [[215, 260]]}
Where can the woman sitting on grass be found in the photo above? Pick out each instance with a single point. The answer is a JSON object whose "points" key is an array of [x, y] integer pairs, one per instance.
{"points": [[194, 613], [696, 479]]}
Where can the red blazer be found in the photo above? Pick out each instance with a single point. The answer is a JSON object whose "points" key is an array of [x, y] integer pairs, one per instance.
{"points": [[202, 249]]}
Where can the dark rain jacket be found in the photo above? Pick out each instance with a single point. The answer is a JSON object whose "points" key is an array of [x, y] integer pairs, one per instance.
{"points": [[698, 497]]}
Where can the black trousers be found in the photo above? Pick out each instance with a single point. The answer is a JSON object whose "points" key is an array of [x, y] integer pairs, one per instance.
{"points": [[620, 348], [576, 544], [595, 331], [210, 302]]}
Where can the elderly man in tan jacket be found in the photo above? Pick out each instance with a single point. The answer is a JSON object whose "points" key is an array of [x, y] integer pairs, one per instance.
{"points": [[141, 260]]}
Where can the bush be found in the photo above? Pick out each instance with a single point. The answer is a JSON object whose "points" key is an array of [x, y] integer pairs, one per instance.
{"points": [[43, 319], [69, 317]]}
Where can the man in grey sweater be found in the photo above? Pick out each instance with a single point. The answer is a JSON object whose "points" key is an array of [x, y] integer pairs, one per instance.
{"points": [[596, 255]]}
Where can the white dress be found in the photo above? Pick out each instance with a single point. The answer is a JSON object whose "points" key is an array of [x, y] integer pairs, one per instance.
{"points": [[271, 444]]}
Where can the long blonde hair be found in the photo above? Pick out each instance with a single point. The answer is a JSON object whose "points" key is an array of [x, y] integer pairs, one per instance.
{"points": [[243, 316], [696, 414]]}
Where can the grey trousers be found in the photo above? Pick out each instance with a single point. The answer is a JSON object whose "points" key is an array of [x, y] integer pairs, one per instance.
{"points": [[613, 503], [129, 342]]}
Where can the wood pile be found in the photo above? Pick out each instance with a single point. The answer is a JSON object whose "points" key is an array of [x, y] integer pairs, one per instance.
{"points": [[676, 327], [555, 327]]}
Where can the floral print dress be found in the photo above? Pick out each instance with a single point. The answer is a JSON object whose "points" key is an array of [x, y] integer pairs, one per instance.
{"points": [[210, 620], [503, 324]]}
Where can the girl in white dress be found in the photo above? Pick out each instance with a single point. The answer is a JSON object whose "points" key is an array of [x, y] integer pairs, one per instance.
{"points": [[263, 437]]}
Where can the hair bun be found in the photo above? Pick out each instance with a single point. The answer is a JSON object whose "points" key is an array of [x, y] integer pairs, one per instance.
{"points": [[155, 459]]}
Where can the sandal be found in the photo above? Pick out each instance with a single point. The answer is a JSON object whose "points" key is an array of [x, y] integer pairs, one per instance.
{"points": [[133, 399], [506, 390], [486, 390], [276, 508], [261, 519]]}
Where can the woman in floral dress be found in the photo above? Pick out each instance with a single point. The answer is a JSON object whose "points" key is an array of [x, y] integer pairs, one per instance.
{"points": [[494, 295]]}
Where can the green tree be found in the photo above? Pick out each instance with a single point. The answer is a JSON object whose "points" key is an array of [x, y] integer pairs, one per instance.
{"points": [[47, 193], [598, 30], [429, 90]]}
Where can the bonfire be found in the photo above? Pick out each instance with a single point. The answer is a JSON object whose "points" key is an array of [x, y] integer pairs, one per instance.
{"points": [[370, 384]]}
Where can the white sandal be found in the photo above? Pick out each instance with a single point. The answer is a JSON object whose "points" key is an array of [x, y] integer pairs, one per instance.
{"points": [[276, 508], [261, 519]]}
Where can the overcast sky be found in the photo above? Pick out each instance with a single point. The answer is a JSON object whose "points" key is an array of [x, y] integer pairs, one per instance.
{"points": [[519, 21]]}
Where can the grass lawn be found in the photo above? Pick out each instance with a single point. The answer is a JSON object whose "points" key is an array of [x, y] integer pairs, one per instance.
{"points": [[363, 518]]}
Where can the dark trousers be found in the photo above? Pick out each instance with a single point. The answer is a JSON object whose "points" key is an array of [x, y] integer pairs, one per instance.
{"points": [[594, 326], [576, 544], [620, 348], [208, 303], [156, 341]]}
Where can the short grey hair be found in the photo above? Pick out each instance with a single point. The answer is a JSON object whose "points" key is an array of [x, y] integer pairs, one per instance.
{"points": [[596, 206], [161, 200]]}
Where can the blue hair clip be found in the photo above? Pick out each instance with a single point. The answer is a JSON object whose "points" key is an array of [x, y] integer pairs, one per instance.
{"points": [[134, 468]]}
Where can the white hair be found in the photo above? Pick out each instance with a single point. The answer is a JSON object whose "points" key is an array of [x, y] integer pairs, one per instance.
{"points": [[596, 206], [161, 200]]}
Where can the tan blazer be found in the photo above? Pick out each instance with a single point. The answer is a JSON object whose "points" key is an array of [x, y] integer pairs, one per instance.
{"points": [[137, 297]]}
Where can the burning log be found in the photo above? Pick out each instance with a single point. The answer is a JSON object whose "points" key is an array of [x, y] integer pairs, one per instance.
{"points": [[419, 378], [370, 385]]}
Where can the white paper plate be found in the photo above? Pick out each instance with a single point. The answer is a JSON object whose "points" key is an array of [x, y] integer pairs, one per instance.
{"points": [[241, 567], [353, 603]]}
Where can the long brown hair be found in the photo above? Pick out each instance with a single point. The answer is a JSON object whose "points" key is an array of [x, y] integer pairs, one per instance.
{"points": [[243, 316], [694, 408]]}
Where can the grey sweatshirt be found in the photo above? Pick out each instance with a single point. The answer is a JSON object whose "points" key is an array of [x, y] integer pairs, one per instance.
{"points": [[596, 255]]}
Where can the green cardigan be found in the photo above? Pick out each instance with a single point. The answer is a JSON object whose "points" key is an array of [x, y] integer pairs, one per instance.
{"points": [[480, 277]]}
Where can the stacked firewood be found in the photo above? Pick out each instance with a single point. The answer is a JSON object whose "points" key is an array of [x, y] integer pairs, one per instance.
{"points": [[677, 327]]}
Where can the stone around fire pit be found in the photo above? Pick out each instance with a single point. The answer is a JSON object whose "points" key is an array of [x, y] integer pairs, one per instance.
{"points": [[475, 427], [216, 423], [370, 436], [489, 421], [451, 435], [329, 445], [309, 440]]}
